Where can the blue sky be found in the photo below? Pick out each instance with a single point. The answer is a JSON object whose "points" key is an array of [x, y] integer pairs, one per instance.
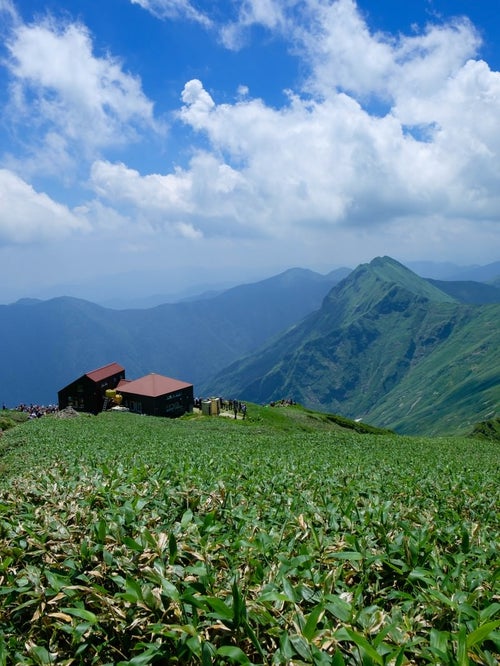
{"points": [[151, 145]]}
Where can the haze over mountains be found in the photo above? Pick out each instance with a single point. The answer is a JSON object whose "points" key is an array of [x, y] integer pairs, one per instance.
{"points": [[379, 343], [50, 343], [146, 289]]}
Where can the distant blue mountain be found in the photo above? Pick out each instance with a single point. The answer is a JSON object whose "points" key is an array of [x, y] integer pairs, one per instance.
{"points": [[47, 344]]}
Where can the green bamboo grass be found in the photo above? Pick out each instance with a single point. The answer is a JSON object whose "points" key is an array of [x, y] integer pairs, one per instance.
{"points": [[134, 540]]}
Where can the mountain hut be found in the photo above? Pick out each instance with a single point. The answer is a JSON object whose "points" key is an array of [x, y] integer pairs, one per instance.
{"points": [[157, 395], [87, 393]]}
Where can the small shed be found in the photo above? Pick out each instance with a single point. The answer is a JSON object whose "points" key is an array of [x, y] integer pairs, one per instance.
{"points": [[87, 393], [157, 395]]}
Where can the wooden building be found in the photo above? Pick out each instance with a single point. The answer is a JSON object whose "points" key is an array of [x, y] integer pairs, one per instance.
{"points": [[87, 393], [157, 395]]}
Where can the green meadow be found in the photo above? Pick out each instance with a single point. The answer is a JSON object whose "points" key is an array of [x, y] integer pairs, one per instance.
{"points": [[288, 538]]}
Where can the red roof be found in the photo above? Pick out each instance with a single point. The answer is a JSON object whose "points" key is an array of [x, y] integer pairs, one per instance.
{"points": [[104, 372], [152, 385]]}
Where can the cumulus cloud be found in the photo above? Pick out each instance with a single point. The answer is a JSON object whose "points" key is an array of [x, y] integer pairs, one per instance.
{"points": [[59, 88], [331, 161], [155, 193], [189, 202], [198, 101], [325, 158], [27, 216], [391, 138], [330, 157]]}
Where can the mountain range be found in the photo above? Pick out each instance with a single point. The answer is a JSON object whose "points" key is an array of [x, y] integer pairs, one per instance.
{"points": [[386, 347], [377, 343], [48, 344]]}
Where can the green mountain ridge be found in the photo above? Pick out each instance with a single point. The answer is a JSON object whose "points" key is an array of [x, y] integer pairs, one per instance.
{"points": [[387, 347]]}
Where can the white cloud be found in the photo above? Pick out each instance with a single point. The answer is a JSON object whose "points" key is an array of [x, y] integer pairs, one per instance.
{"points": [[392, 142], [331, 162], [52, 158], [326, 159], [173, 9], [271, 14], [61, 89], [153, 193], [186, 230], [344, 55], [325, 162], [27, 216], [198, 100], [267, 13], [8, 9], [190, 202]]}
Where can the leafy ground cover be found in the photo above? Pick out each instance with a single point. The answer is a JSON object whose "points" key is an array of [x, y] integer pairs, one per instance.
{"points": [[134, 540]]}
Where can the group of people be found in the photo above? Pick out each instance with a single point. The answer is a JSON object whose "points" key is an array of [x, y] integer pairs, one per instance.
{"points": [[284, 402], [34, 411], [234, 406], [238, 407]]}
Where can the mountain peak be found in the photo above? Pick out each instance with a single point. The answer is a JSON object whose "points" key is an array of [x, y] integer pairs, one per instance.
{"points": [[385, 261], [389, 271], [382, 286]]}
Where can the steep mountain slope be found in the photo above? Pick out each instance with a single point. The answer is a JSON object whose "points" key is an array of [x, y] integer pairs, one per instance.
{"points": [[455, 386], [47, 344], [373, 351]]}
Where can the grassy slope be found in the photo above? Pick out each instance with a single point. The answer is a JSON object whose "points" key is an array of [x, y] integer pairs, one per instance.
{"points": [[284, 538], [450, 390]]}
